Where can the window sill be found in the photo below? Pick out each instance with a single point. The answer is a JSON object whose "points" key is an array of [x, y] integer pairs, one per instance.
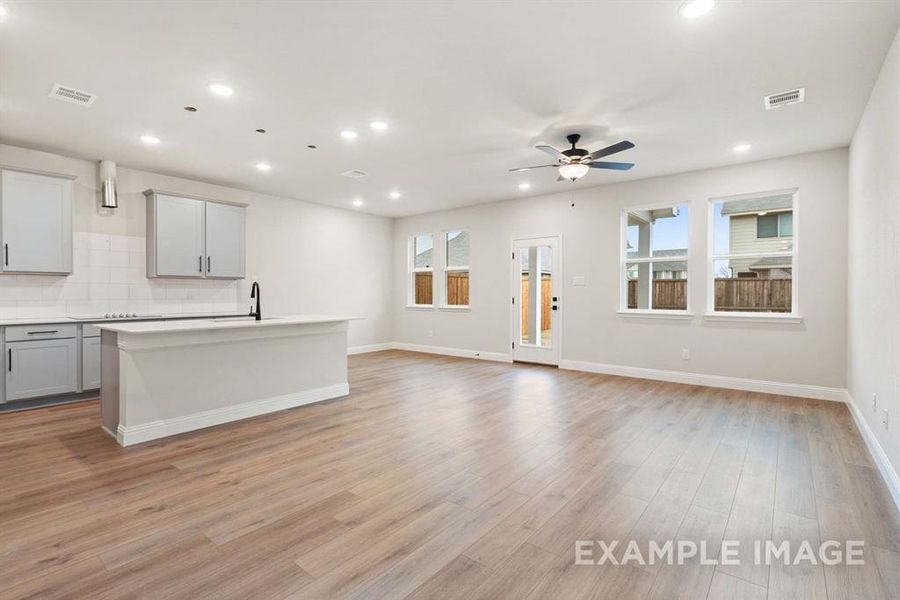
{"points": [[419, 307], [452, 308], [657, 314], [739, 317]]}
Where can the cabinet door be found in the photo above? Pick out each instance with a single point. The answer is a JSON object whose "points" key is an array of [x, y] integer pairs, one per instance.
{"points": [[37, 223], [224, 240], [90, 363], [179, 237], [40, 368]]}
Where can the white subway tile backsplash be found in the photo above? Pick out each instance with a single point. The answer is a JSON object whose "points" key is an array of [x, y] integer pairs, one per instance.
{"points": [[109, 275]]}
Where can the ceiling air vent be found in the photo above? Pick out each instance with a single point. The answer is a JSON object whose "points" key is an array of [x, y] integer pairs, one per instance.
{"points": [[354, 173], [69, 94], [784, 98]]}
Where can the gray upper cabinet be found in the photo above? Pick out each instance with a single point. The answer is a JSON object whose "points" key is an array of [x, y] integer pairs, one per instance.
{"points": [[36, 219], [194, 237], [224, 240]]}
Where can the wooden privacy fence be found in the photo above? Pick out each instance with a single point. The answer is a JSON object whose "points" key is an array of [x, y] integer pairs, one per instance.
{"points": [[668, 294], [545, 303], [732, 294], [457, 288], [424, 288], [753, 295]]}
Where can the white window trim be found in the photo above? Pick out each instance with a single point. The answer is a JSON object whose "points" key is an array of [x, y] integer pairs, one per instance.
{"points": [[624, 261], [412, 270], [711, 313], [449, 269]]}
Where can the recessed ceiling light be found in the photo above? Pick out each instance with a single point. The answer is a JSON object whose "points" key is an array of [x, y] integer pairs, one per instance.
{"points": [[357, 202], [696, 8], [220, 89], [349, 135], [378, 125], [395, 195], [3, 11], [525, 186], [263, 167], [741, 148], [150, 139]]}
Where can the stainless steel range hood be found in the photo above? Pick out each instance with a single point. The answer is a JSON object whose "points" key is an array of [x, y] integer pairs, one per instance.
{"points": [[108, 196]]}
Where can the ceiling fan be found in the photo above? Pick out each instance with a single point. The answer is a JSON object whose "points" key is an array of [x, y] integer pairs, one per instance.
{"points": [[575, 163]]}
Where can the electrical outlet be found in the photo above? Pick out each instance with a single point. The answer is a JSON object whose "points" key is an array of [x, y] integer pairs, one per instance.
{"points": [[685, 354], [874, 402], [884, 421]]}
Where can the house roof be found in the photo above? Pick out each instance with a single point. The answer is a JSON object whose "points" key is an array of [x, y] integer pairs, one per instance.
{"points": [[773, 262], [457, 252], [675, 265], [752, 205]]}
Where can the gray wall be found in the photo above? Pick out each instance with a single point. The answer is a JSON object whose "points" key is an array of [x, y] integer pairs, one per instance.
{"points": [[811, 352], [873, 287]]}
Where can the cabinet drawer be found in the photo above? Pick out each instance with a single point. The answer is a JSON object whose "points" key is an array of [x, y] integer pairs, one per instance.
{"points": [[40, 368], [88, 330], [24, 333]]}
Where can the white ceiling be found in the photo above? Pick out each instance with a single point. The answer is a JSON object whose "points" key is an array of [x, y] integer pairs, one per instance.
{"points": [[467, 87]]}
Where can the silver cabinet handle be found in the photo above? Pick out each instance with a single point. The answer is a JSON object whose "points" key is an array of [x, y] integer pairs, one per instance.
{"points": [[200, 263], [43, 332], [208, 263]]}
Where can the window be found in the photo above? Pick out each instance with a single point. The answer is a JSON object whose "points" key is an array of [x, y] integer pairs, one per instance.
{"points": [[421, 270], [774, 225], [655, 258], [456, 268], [753, 252]]}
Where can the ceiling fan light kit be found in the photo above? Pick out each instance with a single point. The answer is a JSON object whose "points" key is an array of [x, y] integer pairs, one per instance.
{"points": [[575, 163], [573, 171]]}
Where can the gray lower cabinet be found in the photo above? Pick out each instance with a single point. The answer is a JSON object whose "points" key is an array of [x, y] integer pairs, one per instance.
{"points": [[41, 368], [90, 363]]}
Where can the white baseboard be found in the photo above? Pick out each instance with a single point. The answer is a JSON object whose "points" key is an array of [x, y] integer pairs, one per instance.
{"points": [[145, 432], [888, 473], [719, 381], [478, 354], [370, 348]]}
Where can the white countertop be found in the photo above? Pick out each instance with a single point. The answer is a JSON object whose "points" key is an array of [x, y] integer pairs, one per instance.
{"points": [[138, 327], [50, 320]]}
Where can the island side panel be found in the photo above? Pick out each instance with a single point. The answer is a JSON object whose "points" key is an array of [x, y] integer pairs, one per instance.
{"points": [[173, 388], [109, 382]]}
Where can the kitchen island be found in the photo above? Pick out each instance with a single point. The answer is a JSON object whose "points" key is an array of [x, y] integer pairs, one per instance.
{"points": [[165, 378]]}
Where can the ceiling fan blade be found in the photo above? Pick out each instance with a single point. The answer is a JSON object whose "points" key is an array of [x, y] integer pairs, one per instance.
{"points": [[561, 178], [552, 151], [611, 149], [534, 167], [617, 166]]}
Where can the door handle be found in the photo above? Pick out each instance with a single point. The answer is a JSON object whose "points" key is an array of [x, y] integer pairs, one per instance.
{"points": [[10, 359]]}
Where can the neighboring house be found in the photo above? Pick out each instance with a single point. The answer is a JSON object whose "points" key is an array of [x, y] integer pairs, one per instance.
{"points": [[760, 225], [457, 252]]}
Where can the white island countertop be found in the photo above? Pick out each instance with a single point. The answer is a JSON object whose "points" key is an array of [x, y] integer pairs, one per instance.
{"points": [[138, 327]]}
